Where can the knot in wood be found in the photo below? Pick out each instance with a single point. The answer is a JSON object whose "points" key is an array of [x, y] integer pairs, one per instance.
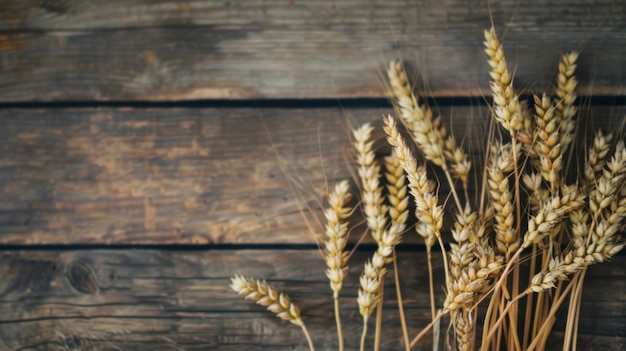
{"points": [[81, 277]]}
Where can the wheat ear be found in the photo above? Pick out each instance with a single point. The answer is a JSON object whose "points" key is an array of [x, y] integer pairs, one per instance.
{"points": [[375, 210], [500, 167], [596, 158], [336, 231], [369, 173], [551, 214], [429, 134], [397, 195], [508, 111], [265, 295], [566, 97], [336, 258], [548, 145], [375, 270], [276, 302], [427, 210]]}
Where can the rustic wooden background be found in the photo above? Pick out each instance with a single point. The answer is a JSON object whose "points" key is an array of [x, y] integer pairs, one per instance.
{"points": [[152, 149]]}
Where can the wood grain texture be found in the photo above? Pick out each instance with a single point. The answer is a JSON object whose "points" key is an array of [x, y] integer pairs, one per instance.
{"points": [[167, 175], [173, 50], [183, 175], [174, 300]]}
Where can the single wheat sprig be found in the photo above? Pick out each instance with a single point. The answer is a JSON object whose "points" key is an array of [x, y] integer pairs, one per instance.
{"points": [[375, 270], [610, 183], [499, 169], [596, 158], [398, 197], [467, 279], [368, 296], [429, 134], [507, 109], [551, 214], [397, 190], [565, 99], [276, 302], [429, 213], [462, 250], [335, 256], [369, 173], [336, 231], [464, 329], [418, 118], [473, 264], [547, 144], [265, 295]]}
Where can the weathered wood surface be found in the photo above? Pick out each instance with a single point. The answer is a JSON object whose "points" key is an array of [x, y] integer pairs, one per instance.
{"points": [[173, 300], [159, 176], [172, 50], [181, 175]]}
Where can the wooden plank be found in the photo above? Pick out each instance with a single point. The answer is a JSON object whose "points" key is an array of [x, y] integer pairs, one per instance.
{"points": [[171, 50], [183, 176], [180, 300], [167, 175]]}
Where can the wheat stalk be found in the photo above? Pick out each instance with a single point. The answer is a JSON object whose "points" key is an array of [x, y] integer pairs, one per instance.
{"points": [[276, 302], [335, 256], [398, 197]]}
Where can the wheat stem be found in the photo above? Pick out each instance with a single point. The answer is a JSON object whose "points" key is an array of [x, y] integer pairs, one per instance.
{"points": [[308, 338], [529, 302], [545, 328], [379, 314], [426, 329], [571, 328], [431, 282], [431, 287], [495, 326], [363, 334], [457, 201], [396, 275], [498, 286], [338, 322]]}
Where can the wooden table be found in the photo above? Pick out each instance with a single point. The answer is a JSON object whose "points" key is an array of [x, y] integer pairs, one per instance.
{"points": [[151, 150]]}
